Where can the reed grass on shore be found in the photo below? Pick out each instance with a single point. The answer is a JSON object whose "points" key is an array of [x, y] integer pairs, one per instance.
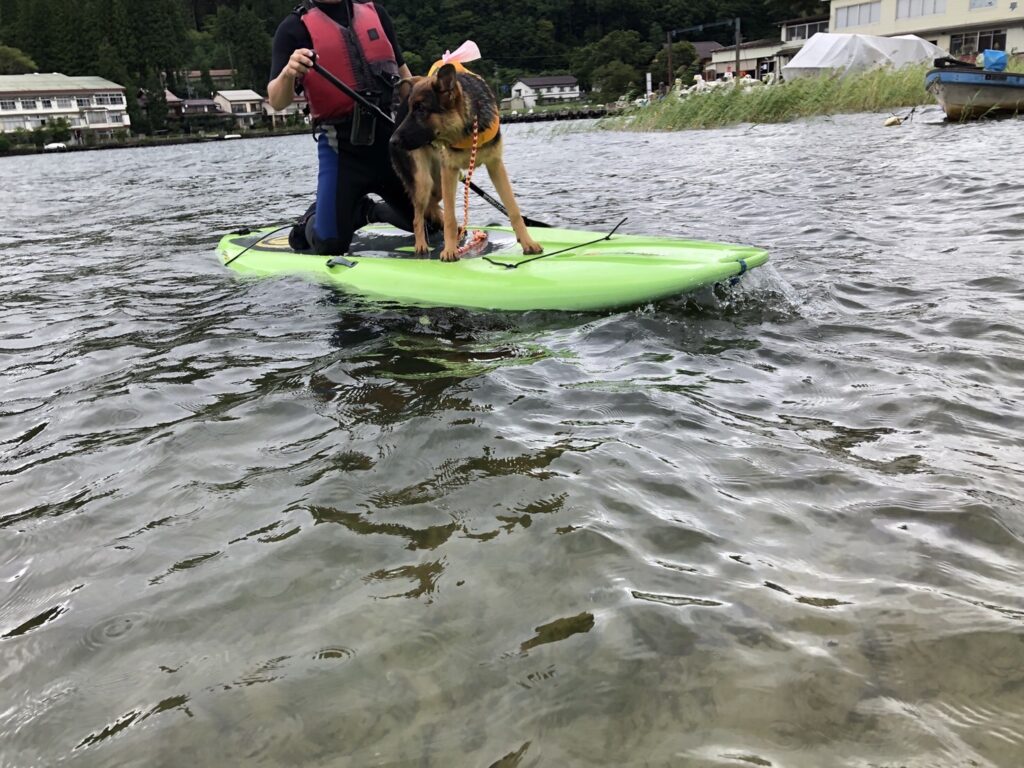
{"points": [[873, 91]]}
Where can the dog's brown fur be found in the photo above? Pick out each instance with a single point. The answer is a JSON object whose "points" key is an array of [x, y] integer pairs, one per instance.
{"points": [[438, 111]]}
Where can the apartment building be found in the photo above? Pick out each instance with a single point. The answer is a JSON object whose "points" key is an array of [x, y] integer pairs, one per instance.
{"points": [[962, 27], [91, 105]]}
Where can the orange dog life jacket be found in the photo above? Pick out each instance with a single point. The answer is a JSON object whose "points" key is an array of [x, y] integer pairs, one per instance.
{"points": [[487, 134]]}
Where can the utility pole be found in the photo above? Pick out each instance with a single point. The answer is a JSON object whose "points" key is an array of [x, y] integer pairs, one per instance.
{"points": [[736, 72], [668, 43], [735, 23]]}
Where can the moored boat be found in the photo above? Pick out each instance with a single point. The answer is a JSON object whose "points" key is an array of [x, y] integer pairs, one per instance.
{"points": [[966, 92]]}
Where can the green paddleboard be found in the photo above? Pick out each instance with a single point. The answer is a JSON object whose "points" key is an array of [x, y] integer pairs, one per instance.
{"points": [[583, 271]]}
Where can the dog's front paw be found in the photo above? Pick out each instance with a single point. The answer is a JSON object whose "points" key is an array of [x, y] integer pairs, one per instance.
{"points": [[449, 254], [421, 247], [531, 246]]}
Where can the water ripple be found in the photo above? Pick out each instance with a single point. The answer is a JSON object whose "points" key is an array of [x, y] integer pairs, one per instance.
{"points": [[262, 522]]}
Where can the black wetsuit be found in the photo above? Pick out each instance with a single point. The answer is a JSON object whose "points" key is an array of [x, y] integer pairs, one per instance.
{"points": [[347, 172]]}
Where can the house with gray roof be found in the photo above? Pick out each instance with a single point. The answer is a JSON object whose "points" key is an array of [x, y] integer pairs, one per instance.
{"points": [[550, 89], [245, 105]]}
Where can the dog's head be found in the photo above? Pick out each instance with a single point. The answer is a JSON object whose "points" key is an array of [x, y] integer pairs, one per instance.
{"points": [[430, 108]]}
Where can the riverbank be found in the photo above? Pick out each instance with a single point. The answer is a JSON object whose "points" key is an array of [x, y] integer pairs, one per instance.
{"points": [[149, 141], [874, 91], [878, 90]]}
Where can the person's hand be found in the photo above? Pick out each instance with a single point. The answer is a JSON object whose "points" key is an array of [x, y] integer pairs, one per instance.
{"points": [[299, 63]]}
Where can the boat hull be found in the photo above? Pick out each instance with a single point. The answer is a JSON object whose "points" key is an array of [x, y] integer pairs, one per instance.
{"points": [[971, 93]]}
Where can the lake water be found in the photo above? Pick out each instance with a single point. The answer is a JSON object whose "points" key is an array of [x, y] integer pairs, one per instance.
{"points": [[255, 522]]}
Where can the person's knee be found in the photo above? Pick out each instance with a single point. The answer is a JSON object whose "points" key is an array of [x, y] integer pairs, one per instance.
{"points": [[298, 238], [389, 214]]}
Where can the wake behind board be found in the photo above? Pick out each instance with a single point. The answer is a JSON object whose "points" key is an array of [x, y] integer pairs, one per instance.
{"points": [[588, 273]]}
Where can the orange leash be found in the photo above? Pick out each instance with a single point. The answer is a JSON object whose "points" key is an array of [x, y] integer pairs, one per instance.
{"points": [[469, 175], [474, 241]]}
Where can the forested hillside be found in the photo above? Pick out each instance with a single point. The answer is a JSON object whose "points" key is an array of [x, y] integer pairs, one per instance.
{"points": [[607, 44]]}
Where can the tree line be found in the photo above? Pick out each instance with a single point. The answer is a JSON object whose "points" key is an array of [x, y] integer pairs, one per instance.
{"points": [[147, 45]]}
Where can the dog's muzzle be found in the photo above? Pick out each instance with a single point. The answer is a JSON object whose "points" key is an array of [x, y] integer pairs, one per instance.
{"points": [[409, 137]]}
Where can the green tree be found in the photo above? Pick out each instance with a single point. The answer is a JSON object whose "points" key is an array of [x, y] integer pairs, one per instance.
{"points": [[15, 62], [619, 48], [156, 104], [415, 62], [59, 130], [616, 78], [110, 65], [683, 57], [516, 37], [33, 32], [247, 44], [206, 81]]}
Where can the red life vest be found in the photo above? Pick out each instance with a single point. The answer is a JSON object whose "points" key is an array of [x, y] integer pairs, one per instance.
{"points": [[358, 56]]}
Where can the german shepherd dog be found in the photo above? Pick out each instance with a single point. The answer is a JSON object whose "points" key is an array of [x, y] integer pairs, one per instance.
{"points": [[432, 143]]}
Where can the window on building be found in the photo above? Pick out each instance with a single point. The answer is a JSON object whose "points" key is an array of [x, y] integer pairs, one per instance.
{"points": [[994, 39], [84, 101], [805, 31], [11, 123], [858, 15], [7, 104], [29, 104], [977, 4], [65, 103], [909, 9], [47, 103], [970, 43], [109, 98]]}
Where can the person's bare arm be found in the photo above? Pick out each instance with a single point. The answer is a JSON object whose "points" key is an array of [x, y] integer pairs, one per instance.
{"points": [[281, 90]]}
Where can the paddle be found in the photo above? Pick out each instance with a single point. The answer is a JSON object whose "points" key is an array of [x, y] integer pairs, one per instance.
{"points": [[354, 94]]}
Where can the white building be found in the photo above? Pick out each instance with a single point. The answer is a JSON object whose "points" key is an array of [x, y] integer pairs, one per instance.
{"points": [[962, 27], [281, 116], [246, 106], [546, 90], [91, 105], [759, 57]]}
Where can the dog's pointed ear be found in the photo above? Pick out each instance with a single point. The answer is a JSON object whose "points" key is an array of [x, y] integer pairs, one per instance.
{"points": [[447, 85]]}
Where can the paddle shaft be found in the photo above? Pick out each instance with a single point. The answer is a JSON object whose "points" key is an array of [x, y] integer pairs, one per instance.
{"points": [[356, 96]]}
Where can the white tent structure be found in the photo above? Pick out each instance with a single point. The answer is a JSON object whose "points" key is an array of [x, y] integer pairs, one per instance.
{"points": [[826, 52]]}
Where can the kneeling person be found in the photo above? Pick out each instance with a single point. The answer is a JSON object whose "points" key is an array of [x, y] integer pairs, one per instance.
{"points": [[354, 41]]}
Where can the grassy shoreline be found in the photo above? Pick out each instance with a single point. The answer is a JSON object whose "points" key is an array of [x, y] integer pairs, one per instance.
{"points": [[877, 90]]}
